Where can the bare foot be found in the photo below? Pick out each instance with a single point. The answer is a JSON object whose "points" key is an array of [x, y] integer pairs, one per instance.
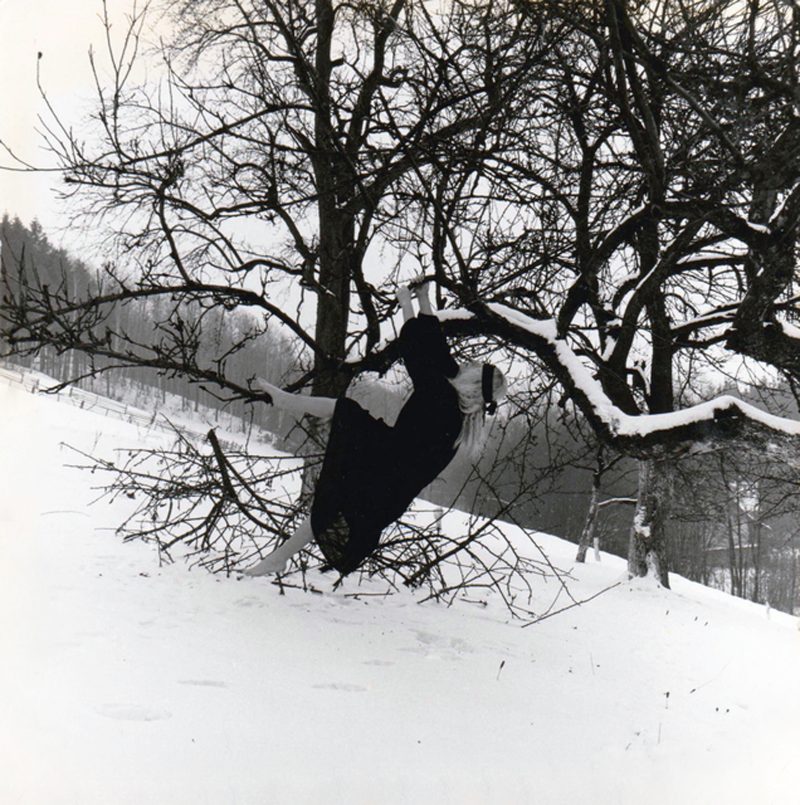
{"points": [[273, 391], [270, 564]]}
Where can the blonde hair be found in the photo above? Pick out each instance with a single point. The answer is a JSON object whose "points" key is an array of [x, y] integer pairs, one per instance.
{"points": [[468, 384]]}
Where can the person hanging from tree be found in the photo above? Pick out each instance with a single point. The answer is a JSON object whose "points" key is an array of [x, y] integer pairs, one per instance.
{"points": [[373, 471]]}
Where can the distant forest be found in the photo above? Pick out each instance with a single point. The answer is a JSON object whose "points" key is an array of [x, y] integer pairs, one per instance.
{"points": [[29, 257], [538, 467]]}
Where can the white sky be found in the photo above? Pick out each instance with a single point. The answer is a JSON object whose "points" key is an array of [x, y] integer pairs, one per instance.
{"points": [[63, 31]]}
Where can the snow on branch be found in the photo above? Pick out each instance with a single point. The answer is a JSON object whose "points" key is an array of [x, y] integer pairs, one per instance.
{"points": [[695, 429], [617, 501], [724, 420], [790, 330]]}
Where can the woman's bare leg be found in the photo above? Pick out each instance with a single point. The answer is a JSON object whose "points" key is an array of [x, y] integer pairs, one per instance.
{"points": [[404, 298], [299, 404], [422, 292], [276, 561]]}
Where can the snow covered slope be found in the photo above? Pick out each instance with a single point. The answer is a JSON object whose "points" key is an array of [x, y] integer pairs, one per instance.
{"points": [[126, 682]]}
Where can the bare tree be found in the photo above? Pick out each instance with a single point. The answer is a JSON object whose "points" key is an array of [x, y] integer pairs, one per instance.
{"points": [[589, 533], [609, 191], [636, 227], [742, 511], [296, 118]]}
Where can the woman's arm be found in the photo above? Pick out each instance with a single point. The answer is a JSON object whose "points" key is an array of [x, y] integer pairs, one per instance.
{"points": [[298, 404]]}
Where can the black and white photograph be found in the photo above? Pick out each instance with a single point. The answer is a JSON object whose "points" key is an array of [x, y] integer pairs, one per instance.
{"points": [[400, 402]]}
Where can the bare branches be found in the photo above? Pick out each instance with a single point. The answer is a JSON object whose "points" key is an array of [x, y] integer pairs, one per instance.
{"points": [[202, 506], [609, 191], [220, 509]]}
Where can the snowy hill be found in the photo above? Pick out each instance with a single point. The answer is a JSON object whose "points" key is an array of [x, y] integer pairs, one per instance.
{"points": [[126, 682]]}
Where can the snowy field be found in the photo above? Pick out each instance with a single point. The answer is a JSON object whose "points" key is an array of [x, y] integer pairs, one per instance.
{"points": [[126, 682]]}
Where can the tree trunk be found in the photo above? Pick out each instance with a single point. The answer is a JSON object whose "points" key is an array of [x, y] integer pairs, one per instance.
{"points": [[333, 302], [754, 530], [335, 245], [736, 581], [333, 309], [590, 524], [647, 549], [335, 187]]}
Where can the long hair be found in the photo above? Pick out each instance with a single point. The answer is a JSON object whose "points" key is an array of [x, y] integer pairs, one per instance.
{"points": [[468, 383]]}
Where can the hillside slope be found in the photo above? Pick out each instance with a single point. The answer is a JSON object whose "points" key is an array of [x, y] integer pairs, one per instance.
{"points": [[126, 682]]}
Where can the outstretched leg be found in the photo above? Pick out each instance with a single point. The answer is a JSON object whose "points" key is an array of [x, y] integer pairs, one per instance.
{"points": [[404, 299], [276, 561], [299, 404], [422, 295], [422, 292]]}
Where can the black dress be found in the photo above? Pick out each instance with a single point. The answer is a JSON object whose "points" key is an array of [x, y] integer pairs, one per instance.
{"points": [[372, 471]]}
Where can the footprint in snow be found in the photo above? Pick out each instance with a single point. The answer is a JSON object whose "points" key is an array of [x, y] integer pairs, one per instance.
{"points": [[343, 686], [431, 645], [132, 712], [249, 601], [203, 683]]}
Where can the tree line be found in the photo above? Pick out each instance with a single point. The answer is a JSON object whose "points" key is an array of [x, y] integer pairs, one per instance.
{"points": [[31, 264]]}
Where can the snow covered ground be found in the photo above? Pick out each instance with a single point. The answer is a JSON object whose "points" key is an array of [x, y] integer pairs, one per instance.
{"points": [[126, 682]]}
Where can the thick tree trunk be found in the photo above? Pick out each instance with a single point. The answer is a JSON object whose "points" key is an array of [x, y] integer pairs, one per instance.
{"points": [[335, 186], [333, 302], [647, 549], [335, 245], [333, 309]]}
